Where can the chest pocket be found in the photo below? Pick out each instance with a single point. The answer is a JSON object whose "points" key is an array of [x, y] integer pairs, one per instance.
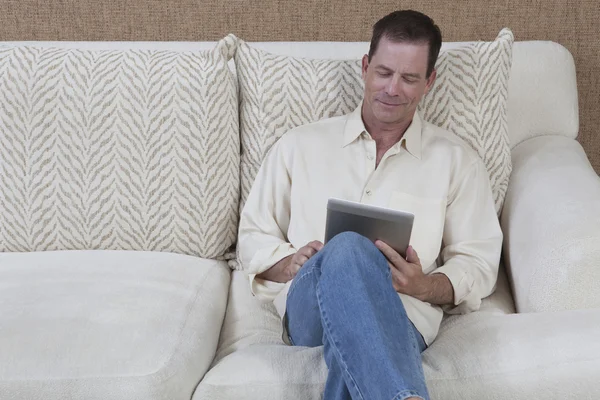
{"points": [[428, 226]]}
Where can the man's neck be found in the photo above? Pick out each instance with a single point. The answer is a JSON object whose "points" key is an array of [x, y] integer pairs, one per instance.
{"points": [[386, 135]]}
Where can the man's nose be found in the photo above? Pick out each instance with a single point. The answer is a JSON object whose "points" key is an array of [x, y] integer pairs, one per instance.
{"points": [[393, 86]]}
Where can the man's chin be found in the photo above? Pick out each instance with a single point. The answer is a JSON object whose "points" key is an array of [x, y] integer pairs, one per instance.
{"points": [[389, 118]]}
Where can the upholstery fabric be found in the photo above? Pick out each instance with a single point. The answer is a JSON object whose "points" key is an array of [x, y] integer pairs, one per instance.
{"points": [[118, 150], [491, 354], [469, 98], [551, 223], [535, 64], [108, 324], [252, 361], [552, 111]]}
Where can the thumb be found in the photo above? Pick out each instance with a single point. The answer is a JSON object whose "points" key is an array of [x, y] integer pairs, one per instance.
{"points": [[412, 256]]}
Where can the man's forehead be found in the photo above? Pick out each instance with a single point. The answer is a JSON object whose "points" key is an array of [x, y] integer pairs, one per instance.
{"points": [[391, 55]]}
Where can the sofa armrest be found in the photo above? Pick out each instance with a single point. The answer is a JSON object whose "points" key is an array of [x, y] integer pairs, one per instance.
{"points": [[551, 224]]}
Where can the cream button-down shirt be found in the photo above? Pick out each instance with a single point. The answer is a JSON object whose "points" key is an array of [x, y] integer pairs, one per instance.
{"points": [[429, 172]]}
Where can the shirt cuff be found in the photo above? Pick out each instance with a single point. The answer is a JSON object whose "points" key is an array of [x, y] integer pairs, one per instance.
{"points": [[267, 257], [265, 290], [263, 260], [462, 284]]}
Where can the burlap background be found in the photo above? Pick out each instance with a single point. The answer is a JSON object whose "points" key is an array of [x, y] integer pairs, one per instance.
{"points": [[572, 23]]}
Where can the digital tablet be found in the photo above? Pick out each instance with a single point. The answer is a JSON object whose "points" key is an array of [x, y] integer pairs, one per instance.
{"points": [[391, 226]]}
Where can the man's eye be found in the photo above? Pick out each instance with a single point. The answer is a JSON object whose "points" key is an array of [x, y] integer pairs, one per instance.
{"points": [[384, 74], [409, 80]]}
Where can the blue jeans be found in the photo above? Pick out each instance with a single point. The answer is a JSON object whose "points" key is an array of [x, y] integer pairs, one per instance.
{"points": [[343, 299]]}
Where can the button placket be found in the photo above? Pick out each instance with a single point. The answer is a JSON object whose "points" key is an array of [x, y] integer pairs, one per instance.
{"points": [[370, 149]]}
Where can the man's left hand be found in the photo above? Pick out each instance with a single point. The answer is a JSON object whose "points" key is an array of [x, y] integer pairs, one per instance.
{"points": [[407, 274]]}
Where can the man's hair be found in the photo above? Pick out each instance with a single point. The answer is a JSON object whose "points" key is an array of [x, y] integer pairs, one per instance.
{"points": [[410, 27]]}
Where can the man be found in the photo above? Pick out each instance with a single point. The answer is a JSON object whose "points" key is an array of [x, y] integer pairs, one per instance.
{"points": [[373, 310]]}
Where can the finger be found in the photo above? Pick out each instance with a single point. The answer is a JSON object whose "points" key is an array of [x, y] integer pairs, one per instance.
{"points": [[412, 256], [389, 253], [398, 279], [307, 251], [315, 244], [301, 259], [384, 247]]}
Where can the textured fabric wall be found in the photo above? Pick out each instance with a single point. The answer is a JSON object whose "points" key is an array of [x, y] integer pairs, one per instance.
{"points": [[572, 23]]}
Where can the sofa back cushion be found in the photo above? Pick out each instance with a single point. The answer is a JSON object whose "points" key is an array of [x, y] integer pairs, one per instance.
{"points": [[469, 99], [121, 149], [542, 92]]}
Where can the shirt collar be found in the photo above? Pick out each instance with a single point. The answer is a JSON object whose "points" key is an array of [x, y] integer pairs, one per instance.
{"points": [[412, 137], [354, 126], [411, 140]]}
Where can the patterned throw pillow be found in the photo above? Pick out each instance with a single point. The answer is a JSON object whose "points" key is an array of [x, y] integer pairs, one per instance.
{"points": [[469, 99], [128, 149]]}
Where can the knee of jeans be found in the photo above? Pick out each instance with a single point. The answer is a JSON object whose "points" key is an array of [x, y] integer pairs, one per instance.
{"points": [[350, 240], [347, 247]]}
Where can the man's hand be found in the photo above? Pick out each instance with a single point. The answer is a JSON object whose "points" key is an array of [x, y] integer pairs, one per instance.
{"points": [[408, 277], [286, 269]]}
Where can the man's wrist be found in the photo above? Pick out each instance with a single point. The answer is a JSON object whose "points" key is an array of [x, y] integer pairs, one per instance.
{"points": [[276, 272], [437, 289], [426, 288]]}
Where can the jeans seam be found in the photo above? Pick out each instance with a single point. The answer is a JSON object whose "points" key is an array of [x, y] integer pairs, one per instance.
{"points": [[332, 343], [293, 286], [420, 366], [413, 337], [287, 329], [294, 283], [412, 331], [414, 342]]}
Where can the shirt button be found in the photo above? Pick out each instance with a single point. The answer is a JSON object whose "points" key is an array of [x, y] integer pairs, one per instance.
{"points": [[369, 157], [369, 192]]}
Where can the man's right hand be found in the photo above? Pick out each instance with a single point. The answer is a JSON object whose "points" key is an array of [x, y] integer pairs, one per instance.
{"points": [[286, 269]]}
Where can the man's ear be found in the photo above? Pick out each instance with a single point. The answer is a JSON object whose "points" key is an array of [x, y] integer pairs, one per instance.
{"points": [[365, 65], [430, 81]]}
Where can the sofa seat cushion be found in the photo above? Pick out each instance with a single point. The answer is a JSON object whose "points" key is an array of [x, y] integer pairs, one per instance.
{"points": [[488, 354], [517, 356], [252, 361], [108, 324]]}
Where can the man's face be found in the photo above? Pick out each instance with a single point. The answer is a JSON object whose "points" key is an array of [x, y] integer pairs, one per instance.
{"points": [[395, 81]]}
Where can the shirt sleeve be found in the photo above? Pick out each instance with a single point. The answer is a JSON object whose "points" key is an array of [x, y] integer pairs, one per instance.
{"points": [[264, 222], [472, 240]]}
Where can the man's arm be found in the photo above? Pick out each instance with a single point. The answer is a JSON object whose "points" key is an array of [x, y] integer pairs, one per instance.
{"points": [[286, 269], [264, 222], [472, 240], [275, 273], [408, 277], [438, 290]]}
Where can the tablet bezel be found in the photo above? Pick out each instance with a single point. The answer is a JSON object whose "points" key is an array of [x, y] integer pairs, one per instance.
{"points": [[394, 227]]}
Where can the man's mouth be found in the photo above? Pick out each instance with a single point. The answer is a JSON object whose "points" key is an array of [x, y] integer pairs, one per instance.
{"points": [[390, 104]]}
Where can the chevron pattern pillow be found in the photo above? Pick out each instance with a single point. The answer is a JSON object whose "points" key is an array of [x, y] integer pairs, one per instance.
{"points": [[469, 99], [124, 150]]}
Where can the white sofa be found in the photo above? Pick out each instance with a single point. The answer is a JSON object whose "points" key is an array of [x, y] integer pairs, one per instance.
{"points": [[107, 324]]}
